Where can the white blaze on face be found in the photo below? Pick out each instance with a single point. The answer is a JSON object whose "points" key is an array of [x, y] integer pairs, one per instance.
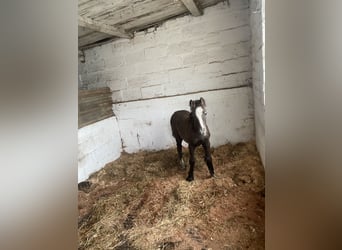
{"points": [[199, 112]]}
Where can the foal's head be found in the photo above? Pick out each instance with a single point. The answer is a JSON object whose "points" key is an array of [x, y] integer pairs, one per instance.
{"points": [[199, 113]]}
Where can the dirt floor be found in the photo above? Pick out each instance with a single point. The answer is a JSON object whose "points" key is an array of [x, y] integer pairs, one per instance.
{"points": [[142, 201]]}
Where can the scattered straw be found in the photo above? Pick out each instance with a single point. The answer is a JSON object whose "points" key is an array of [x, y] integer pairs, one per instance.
{"points": [[142, 201]]}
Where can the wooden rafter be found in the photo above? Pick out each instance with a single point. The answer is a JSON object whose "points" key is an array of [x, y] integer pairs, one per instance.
{"points": [[192, 7], [102, 27]]}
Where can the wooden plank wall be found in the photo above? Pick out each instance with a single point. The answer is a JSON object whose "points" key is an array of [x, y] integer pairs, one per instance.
{"points": [[94, 105]]}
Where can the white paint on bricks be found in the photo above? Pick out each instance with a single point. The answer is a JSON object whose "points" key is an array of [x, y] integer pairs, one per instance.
{"points": [[98, 144], [183, 55], [145, 125], [257, 23]]}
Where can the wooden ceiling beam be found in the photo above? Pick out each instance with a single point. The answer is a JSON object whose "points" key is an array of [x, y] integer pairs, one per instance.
{"points": [[102, 27], [194, 9]]}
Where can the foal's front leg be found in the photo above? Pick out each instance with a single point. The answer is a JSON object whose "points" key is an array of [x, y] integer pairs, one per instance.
{"points": [[191, 162], [207, 157]]}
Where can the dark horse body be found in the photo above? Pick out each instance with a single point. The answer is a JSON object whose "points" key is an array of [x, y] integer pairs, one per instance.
{"points": [[192, 128]]}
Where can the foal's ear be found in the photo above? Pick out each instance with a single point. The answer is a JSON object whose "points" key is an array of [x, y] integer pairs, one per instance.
{"points": [[202, 101], [191, 103]]}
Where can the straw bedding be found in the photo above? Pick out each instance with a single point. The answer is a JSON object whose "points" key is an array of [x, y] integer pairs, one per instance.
{"points": [[142, 201]]}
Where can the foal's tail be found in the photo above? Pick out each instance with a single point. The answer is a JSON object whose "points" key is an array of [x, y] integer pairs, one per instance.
{"points": [[171, 124]]}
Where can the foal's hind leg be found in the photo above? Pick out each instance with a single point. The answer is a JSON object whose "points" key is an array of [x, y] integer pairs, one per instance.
{"points": [[207, 157], [191, 162], [180, 153]]}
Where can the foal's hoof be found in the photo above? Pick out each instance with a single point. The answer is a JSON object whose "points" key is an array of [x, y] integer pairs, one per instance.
{"points": [[182, 165], [190, 178]]}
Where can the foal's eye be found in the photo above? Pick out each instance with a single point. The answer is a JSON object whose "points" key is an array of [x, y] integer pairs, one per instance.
{"points": [[205, 112]]}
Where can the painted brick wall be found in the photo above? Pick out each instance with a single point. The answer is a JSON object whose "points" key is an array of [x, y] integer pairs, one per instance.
{"points": [[146, 124], [183, 55], [159, 70], [98, 144], [258, 59]]}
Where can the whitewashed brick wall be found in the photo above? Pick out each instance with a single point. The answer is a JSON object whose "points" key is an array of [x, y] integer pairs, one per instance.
{"points": [[161, 69], [98, 144], [146, 124], [184, 55], [258, 59]]}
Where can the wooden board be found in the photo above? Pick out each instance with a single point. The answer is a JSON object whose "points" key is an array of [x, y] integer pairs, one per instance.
{"points": [[131, 15], [94, 105]]}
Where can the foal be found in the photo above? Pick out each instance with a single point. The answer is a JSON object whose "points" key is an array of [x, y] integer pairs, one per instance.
{"points": [[192, 128]]}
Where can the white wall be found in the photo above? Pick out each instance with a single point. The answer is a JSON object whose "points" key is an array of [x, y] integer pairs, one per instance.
{"points": [[159, 71], [146, 124], [98, 144], [258, 59]]}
